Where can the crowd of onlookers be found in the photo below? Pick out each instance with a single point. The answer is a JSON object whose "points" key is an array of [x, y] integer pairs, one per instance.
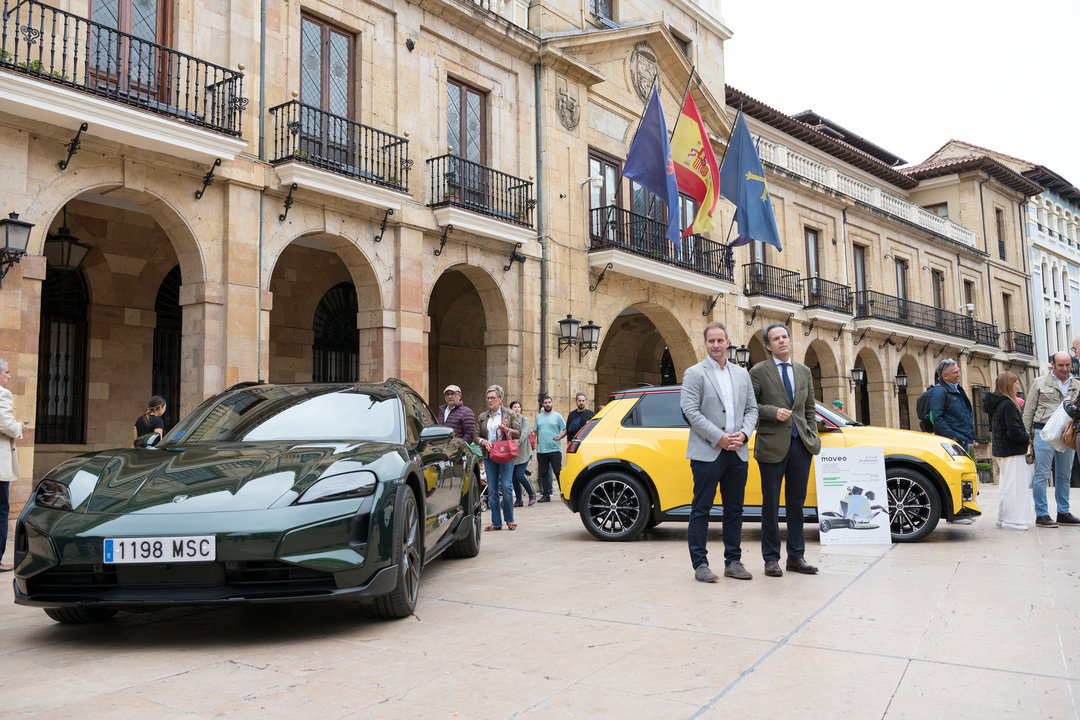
{"points": [[508, 485]]}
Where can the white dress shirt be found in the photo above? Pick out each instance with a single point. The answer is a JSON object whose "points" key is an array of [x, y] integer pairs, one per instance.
{"points": [[727, 394]]}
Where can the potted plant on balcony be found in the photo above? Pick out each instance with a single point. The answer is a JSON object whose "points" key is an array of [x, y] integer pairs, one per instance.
{"points": [[451, 195]]}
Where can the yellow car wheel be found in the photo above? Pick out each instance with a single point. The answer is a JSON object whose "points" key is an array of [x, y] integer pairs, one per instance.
{"points": [[615, 507]]}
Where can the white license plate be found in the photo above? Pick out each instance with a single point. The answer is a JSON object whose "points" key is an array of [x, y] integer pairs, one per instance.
{"points": [[187, 548]]}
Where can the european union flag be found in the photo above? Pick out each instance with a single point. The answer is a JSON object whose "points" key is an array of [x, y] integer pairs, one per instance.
{"points": [[649, 163], [742, 181]]}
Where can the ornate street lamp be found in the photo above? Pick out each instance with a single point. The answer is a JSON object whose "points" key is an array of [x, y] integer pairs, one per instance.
{"points": [[568, 332], [15, 234], [63, 251]]}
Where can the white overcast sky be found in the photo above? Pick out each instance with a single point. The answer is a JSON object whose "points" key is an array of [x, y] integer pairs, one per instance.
{"points": [[911, 75]]}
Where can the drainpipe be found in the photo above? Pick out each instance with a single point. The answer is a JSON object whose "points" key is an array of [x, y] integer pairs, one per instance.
{"points": [[540, 234], [986, 249], [1027, 275], [262, 195]]}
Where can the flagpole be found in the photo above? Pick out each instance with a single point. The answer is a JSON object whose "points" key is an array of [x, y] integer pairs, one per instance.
{"points": [[693, 70], [644, 109], [727, 145]]}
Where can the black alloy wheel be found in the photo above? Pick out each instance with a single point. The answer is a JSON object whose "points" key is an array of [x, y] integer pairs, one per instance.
{"points": [[914, 505], [401, 601], [615, 507]]}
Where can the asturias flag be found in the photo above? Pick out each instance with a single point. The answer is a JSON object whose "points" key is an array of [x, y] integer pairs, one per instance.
{"points": [[649, 163], [695, 166], [742, 181]]}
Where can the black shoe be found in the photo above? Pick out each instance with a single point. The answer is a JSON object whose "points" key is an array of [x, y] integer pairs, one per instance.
{"points": [[772, 569], [1045, 521], [546, 498], [800, 566], [1068, 519]]}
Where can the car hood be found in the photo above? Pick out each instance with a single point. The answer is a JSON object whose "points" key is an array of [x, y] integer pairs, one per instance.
{"points": [[895, 442], [215, 477]]}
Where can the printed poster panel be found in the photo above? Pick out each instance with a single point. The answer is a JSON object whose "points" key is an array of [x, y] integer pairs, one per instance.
{"points": [[852, 496]]}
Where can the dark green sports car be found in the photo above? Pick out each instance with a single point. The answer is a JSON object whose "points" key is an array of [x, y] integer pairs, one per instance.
{"points": [[264, 493]]}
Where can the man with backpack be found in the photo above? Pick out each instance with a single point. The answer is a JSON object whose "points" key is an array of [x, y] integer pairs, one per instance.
{"points": [[1043, 398], [948, 410]]}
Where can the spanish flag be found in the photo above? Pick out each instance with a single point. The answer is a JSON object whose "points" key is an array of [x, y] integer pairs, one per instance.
{"points": [[695, 166]]}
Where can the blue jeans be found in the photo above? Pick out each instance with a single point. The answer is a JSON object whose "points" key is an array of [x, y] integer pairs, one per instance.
{"points": [[521, 482], [1044, 454], [500, 491]]}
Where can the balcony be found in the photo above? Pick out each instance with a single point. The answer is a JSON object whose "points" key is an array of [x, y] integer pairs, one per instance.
{"points": [[771, 281], [64, 69], [826, 295], [1018, 342], [456, 182], [872, 304], [695, 262], [338, 156], [986, 334]]}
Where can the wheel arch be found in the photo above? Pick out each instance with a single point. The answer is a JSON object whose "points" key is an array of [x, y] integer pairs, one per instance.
{"points": [[614, 464], [930, 473]]}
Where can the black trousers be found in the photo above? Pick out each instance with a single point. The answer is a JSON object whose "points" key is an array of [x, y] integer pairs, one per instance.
{"points": [[728, 472], [795, 468], [546, 463]]}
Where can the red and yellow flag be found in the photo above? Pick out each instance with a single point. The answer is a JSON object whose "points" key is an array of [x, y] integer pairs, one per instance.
{"points": [[695, 166]]}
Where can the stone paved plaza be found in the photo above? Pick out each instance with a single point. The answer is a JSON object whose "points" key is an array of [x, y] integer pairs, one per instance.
{"points": [[549, 623]]}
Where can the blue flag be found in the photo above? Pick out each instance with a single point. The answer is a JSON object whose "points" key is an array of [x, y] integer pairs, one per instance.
{"points": [[742, 181], [649, 163]]}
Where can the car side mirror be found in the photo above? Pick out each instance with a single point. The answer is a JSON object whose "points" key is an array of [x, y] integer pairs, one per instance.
{"points": [[436, 433], [148, 441]]}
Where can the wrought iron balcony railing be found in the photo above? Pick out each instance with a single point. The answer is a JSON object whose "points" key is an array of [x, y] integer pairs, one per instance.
{"points": [[825, 294], [872, 304], [469, 185], [313, 136], [60, 47], [1018, 342], [771, 281], [986, 334], [612, 227]]}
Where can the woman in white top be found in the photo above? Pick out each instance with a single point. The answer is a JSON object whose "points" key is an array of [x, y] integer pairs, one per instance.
{"points": [[498, 423]]}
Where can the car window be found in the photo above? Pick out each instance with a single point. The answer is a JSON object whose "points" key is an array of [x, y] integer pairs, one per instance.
{"points": [[656, 410], [417, 416], [293, 414]]}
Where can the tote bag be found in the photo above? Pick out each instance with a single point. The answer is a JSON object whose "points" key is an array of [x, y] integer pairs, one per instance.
{"points": [[504, 450]]}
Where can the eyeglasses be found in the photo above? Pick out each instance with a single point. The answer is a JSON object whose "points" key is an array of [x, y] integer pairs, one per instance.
{"points": [[492, 397]]}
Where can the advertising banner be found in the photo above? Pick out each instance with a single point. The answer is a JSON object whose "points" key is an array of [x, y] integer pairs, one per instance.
{"points": [[852, 496]]}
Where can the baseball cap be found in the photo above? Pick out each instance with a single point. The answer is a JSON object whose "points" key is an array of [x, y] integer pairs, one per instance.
{"points": [[452, 388], [838, 403]]}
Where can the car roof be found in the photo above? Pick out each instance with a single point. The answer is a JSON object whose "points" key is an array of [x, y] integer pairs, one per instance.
{"points": [[639, 391]]}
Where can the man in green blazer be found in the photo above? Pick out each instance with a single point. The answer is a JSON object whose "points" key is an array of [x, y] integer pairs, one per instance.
{"points": [[786, 443]]}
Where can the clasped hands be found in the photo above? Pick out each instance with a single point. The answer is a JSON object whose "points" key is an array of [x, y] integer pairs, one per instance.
{"points": [[731, 441]]}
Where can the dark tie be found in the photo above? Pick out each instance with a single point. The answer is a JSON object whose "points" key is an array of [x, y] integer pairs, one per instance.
{"points": [[790, 394]]}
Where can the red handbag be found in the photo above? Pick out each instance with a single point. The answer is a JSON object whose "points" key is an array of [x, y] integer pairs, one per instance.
{"points": [[532, 440], [504, 450]]}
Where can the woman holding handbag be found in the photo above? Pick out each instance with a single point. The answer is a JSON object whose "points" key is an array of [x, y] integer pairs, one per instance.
{"points": [[1010, 445], [497, 432], [521, 465]]}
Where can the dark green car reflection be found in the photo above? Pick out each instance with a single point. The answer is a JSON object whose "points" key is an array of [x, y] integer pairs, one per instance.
{"points": [[263, 493]]}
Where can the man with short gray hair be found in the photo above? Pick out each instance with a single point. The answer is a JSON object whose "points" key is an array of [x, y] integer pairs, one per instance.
{"points": [[1043, 398], [949, 406]]}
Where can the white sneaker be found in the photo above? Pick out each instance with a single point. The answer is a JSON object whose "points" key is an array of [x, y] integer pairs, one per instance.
{"points": [[1013, 526]]}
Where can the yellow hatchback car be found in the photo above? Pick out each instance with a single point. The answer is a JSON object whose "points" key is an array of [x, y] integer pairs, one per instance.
{"points": [[626, 470]]}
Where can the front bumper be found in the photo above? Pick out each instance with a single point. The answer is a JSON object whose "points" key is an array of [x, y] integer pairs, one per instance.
{"points": [[340, 549]]}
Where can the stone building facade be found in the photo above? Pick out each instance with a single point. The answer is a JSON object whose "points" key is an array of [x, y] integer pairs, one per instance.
{"points": [[422, 189]]}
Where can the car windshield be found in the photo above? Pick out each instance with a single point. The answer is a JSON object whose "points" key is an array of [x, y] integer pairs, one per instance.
{"points": [[300, 413], [834, 418]]}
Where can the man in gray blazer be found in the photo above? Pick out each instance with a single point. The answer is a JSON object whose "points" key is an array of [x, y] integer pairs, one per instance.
{"points": [[718, 401], [786, 443]]}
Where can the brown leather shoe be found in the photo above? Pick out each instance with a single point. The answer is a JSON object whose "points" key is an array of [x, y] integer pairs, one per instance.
{"points": [[772, 568], [800, 566]]}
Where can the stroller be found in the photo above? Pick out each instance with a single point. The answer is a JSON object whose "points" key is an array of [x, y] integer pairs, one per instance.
{"points": [[856, 511], [482, 475]]}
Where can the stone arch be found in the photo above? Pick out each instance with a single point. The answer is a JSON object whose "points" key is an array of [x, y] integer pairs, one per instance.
{"points": [[300, 274], [872, 397], [829, 382], [468, 342]]}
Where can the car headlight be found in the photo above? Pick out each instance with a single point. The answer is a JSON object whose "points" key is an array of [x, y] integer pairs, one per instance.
{"points": [[52, 494], [954, 450], [340, 487]]}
